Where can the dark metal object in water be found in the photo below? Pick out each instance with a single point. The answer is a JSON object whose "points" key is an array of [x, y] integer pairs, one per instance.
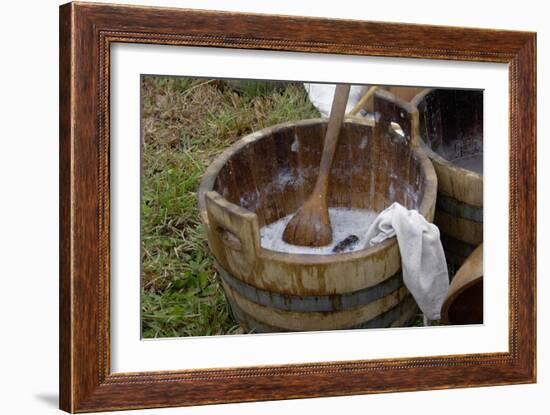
{"points": [[346, 244]]}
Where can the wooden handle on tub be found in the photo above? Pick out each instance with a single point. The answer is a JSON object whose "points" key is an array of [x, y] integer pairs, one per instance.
{"points": [[389, 108], [234, 233]]}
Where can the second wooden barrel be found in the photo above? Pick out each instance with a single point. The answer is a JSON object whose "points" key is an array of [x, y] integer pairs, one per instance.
{"points": [[451, 131]]}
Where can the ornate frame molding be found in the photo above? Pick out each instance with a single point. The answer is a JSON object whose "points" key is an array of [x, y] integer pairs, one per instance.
{"points": [[86, 33]]}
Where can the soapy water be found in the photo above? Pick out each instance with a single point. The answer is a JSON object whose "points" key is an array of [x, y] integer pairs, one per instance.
{"points": [[344, 222]]}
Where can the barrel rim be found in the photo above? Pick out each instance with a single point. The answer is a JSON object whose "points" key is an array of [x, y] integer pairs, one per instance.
{"points": [[435, 157], [426, 207]]}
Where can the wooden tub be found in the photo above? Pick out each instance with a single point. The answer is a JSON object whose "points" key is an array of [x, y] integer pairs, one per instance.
{"points": [[451, 132], [464, 302], [267, 175]]}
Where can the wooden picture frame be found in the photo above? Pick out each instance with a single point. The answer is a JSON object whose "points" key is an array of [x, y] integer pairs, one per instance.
{"points": [[86, 33]]}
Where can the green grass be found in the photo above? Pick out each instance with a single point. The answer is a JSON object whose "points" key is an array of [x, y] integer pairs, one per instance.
{"points": [[186, 123]]}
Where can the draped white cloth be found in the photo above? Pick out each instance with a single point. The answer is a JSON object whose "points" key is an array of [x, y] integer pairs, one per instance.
{"points": [[422, 257]]}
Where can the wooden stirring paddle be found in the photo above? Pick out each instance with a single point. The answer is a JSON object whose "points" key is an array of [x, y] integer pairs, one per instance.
{"points": [[310, 226]]}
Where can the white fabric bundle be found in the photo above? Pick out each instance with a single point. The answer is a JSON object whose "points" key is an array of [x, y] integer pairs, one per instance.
{"points": [[321, 96], [422, 258]]}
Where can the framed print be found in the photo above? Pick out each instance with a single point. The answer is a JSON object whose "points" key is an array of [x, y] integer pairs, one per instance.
{"points": [[191, 141]]}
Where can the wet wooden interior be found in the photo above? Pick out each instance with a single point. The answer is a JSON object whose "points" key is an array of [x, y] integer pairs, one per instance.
{"points": [[273, 176], [451, 122]]}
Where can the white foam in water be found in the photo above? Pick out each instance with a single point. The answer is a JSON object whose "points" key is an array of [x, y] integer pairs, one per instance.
{"points": [[344, 222]]}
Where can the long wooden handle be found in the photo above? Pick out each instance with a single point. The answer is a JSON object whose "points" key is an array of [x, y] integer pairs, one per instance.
{"points": [[337, 113]]}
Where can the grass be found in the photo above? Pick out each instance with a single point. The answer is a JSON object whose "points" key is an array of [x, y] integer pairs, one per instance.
{"points": [[186, 123]]}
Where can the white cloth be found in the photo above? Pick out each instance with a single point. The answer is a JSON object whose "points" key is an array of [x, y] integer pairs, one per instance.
{"points": [[321, 96], [422, 258]]}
